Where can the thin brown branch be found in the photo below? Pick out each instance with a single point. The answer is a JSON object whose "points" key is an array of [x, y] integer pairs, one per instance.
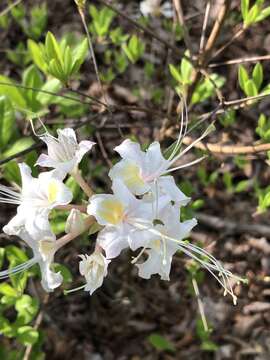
{"points": [[46, 92], [235, 36], [180, 16], [205, 21], [223, 11], [103, 150], [10, 7], [228, 149], [241, 61]]}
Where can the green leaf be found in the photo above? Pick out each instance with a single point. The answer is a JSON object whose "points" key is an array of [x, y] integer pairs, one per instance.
{"points": [[27, 308], [2, 256], [209, 346], [7, 121], [263, 14], [37, 55], [32, 78], [79, 54], [250, 88], [27, 335], [175, 73], [14, 94], [242, 186], [252, 15], [242, 77], [52, 85], [18, 146], [244, 8], [257, 75], [52, 48], [161, 343], [8, 290], [186, 70]]}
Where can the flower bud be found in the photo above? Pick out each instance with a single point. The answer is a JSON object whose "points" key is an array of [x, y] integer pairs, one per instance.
{"points": [[75, 223]]}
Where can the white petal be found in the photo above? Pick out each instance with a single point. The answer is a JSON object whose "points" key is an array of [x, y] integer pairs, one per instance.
{"points": [[46, 161], [50, 280], [168, 186], [130, 150], [106, 208], [130, 173], [154, 163], [112, 241], [84, 147]]}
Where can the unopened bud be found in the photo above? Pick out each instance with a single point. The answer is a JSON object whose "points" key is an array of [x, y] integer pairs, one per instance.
{"points": [[75, 223]]}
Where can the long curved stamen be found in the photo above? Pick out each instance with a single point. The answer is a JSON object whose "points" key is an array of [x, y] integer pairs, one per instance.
{"points": [[66, 292], [139, 255], [18, 269], [206, 133], [212, 266], [9, 196], [180, 136], [185, 165]]}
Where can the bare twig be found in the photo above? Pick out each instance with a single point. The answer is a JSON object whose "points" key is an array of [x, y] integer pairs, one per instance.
{"points": [[103, 150], [228, 149], [235, 36], [10, 7], [240, 61], [180, 16], [205, 21], [47, 92], [223, 11]]}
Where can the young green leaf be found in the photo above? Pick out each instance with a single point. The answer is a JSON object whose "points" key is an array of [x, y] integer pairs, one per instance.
{"points": [[161, 343], [257, 75], [242, 77], [7, 121]]}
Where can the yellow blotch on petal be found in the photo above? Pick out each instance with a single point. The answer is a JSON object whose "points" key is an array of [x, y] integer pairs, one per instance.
{"points": [[131, 176], [52, 191], [111, 211]]}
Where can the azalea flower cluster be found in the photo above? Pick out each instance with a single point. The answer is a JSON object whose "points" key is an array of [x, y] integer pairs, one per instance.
{"points": [[141, 214]]}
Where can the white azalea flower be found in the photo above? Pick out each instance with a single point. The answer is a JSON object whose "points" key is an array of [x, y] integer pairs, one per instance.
{"points": [[94, 268], [37, 198], [154, 7], [119, 213], [160, 250], [43, 246], [144, 171], [64, 152]]}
